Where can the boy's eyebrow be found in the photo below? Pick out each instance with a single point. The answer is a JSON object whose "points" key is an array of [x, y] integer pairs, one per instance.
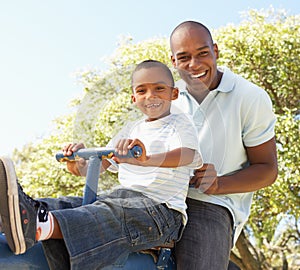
{"points": [[144, 84]]}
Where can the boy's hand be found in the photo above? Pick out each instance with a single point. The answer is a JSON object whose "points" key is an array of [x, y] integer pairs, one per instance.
{"points": [[122, 148], [78, 167]]}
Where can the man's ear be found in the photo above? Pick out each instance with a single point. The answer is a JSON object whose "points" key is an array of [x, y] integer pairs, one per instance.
{"points": [[173, 60], [175, 93], [216, 50]]}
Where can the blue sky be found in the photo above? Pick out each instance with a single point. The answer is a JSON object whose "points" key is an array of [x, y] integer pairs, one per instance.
{"points": [[44, 42]]}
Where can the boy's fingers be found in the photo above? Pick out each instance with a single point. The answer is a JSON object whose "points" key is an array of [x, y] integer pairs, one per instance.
{"points": [[72, 147], [81, 162]]}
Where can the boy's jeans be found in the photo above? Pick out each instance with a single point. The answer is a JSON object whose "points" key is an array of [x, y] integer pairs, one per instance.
{"points": [[207, 239], [108, 230]]}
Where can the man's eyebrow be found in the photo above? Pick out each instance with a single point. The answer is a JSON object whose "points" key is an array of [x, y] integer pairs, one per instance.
{"points": [[199, 49]]}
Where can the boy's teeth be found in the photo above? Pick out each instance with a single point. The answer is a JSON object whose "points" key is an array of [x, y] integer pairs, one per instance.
{"points": [[152, 105]]}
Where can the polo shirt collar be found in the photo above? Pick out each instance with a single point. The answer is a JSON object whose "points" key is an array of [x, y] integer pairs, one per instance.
{"points": [[227, 82]]}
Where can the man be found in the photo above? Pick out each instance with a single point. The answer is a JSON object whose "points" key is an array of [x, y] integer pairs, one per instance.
{"points": [[235, 123]]}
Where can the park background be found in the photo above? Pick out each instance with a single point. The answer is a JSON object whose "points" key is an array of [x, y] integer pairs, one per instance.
{"points": [[65, 70], [45, 43]]}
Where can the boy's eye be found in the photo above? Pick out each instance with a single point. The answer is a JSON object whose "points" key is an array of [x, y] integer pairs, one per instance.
{"points": [[160, 88], [140, 91]]}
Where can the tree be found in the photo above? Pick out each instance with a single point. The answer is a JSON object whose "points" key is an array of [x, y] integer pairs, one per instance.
{"points": [[265, 49]]}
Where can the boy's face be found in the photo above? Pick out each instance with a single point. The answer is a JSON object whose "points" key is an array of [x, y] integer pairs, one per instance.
{"points": [[152, 92]]}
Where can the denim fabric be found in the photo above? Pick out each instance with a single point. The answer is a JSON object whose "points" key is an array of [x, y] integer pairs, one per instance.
{"points": [[33, 259], [207, 239], [106, 231]]}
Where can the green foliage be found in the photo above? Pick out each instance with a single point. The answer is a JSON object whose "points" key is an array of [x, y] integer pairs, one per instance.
{"points": [[264, 48]]}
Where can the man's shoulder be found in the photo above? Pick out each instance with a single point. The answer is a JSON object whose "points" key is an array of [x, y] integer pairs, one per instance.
{"points": [[241, 82], [242, 88]]}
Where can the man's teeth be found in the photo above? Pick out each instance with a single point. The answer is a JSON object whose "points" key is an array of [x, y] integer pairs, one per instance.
{"points": [[152, 105], [198, 75]]}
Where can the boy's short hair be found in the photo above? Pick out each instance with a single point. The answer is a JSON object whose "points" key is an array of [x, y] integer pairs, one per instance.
{"points": [[153, 63]]}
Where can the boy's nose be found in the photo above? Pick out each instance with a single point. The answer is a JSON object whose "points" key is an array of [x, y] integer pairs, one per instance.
{"points": [[151, 94]]}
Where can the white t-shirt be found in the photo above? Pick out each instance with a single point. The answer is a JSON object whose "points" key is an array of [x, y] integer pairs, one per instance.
{"points": [[164, 185], [236, 114]]}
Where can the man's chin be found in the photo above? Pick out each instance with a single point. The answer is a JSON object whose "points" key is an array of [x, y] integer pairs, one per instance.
{"points": [[196, 85]]}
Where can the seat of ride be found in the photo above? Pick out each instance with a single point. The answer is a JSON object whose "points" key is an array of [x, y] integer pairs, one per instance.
{"points": [[35, 259]]}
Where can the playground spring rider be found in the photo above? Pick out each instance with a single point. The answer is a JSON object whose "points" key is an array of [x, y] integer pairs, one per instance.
{"points": [[34, 258]]}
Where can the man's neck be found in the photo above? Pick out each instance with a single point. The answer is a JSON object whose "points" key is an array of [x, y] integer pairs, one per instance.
{"points": [[199, 96]]}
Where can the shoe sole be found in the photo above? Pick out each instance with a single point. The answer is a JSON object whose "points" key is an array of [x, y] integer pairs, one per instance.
{"points": [[9, 208]]}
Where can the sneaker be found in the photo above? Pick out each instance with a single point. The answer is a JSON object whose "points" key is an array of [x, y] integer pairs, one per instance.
{"points": [[18, 211]]}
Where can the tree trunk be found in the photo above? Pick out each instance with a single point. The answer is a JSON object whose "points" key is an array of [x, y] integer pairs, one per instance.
{"points": [[246, 261]]}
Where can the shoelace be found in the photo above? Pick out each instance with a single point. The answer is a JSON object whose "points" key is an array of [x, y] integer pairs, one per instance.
{"points": [[27, 197], [41, 206]]}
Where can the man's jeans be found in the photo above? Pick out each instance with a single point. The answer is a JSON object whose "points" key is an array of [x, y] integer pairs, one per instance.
{"points": [[207, 239], [108, 230]]}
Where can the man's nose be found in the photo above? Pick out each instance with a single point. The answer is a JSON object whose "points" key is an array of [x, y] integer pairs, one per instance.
{"points": [[195, 62]]}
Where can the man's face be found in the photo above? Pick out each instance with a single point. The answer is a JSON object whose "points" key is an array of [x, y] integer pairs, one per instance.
{"points": [[194, 55], [152, 92]]}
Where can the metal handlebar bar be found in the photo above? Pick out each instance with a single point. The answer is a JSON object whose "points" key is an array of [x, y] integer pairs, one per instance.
{"points": [[100, 152], [95, 157]]}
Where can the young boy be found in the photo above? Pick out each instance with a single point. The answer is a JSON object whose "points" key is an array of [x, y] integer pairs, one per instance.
{"points": [[148, 210]]}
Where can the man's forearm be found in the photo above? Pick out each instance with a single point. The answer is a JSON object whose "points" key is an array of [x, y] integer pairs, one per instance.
{"points": [[250, 179]]}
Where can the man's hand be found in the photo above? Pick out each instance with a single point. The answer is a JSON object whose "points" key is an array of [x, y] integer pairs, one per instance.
{"points": [[79, 167], [261, 173], [205, 179]]}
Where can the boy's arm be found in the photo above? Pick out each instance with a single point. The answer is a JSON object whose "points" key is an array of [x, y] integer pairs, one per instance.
{"points": [[178, 157], [174, 158]]}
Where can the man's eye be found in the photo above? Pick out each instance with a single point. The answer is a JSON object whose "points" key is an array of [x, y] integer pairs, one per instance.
{"points": [[203, 53], [183, 58]]}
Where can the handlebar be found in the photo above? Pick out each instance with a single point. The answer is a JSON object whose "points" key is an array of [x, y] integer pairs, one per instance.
{"points": [[100, 152], [95, 157]]}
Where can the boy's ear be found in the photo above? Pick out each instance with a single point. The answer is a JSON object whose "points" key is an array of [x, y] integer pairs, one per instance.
{"points": [[175, 93], [133, 98]]}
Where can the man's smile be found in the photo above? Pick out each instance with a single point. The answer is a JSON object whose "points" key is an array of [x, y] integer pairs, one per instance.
{"points": [[198, 75]]}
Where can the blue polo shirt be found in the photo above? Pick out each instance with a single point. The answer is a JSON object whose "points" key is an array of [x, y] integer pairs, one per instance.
{"points": [[236, 114]]}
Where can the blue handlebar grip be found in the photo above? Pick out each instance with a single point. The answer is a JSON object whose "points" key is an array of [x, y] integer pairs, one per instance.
{"points": [[60, 157], [136, 151]]}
